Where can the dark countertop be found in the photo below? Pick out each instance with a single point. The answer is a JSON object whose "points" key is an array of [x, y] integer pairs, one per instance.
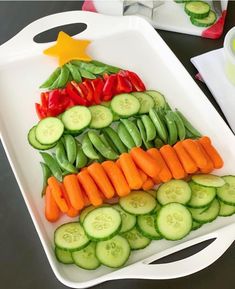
{"points": [[23, 263]]}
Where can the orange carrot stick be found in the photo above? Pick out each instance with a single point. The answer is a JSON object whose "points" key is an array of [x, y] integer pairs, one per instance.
{"points": [[145, 162], [195, 152], [90, 188], [72, 212], [85, 198], [57, 194], [52, 212], [98, 174], [148, 184], [143, 175], [165, 174], [209, 166], [117, 178], [212, 152], [130, 171], [170, 157], [74, 192], [187, 162]]}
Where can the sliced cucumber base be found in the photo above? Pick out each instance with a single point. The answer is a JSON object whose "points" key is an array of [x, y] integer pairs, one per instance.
{"points": [[136, 239], [85, 212], [158, 98], [204, 22], [226, 210], [128, 220], [76, 118], [146, 101], [208, 180], [63, 256], [146, 225], [125, 105], [197, 9], [226, 193], [101, 116], [35, 143], [174, 221], [114, 252]]}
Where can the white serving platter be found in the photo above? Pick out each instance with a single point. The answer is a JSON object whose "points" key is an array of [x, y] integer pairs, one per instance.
{"points": [[131, 43]]}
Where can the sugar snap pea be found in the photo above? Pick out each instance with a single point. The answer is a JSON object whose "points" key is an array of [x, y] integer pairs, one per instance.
{"points": [[101, 147], [133, 131], [46, 172], [172, 129], [112, 136], [62, 159], [74, 72], [159, 124], [81, 158], [179, 124], [109, 68], [106, 140], [149, 127], [125, 136], [147, 144], [63, 78], [93, 68], [158, 143], [51, 79], [70, 147], [53, 165], [86, 74], [188, 125], [88, 148]]}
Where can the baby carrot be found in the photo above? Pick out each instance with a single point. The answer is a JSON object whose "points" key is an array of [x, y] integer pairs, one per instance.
{"points": [[90, 188], [117, 178], [209, 165], [195, 152], [57, 194], [52, 212], [98, 174], [72, 212], [145, 162], [130, 171], [170, 157], [187, 162], [212, 152], [85, 198], [164, 174], [74, 192], [143, 175], [148, 184]]}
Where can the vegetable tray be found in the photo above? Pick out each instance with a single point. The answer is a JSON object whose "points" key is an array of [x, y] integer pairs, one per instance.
{"points": [[131, 43]]}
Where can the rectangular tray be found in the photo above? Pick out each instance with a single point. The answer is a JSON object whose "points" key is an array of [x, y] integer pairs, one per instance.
{"points": [[131, 43]]}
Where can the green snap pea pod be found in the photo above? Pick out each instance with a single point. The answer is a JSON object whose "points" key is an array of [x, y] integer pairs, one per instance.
{"points": [[179, 124], [65, 173], [159, 124], [62, 159], [101, 147], [70, 147], [188, 134], [46, 172], [74, 72], [114, 138], [133, 131], [125, 136], [64, 76], [86, 74], [188, 125], [88, 148], [149, 127], [52, 165], [81, 158], [108, 142], [140, 125], [93, 68], [51, 79], [172, 129], [110, 68], [167, 107], [158, 143]]}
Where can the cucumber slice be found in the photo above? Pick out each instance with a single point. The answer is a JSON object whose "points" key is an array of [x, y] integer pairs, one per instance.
{"points": [[174, 221], [158, 98], [102, 223], [125, 105], [226, 210], [196, 225], [35, 143], [204, 22], [101, 116], [49, 130], [63, 256], [84, 213], [208, 215], [86, 257], [136, 239], [138, 203], [76, 118], [145, 224], [128, 220], [197, 9], [201, 196], [174, 191], [71, 237], [208, 180], [114, 252], [146, 101], [226, 193]]}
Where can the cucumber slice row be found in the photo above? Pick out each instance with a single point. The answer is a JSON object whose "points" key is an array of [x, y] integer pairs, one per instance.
{"points": [[206, 21]]}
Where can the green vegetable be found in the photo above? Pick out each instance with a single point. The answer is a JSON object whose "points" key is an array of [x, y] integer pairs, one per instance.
{"points": [[74, 72], [179, 124], [51, 79], [86, 74], [149, 127], [158, 143], [109, 68], [159, 124], [52, 165], [133, 131], [188, 125], [62, 159], [81, 158], [70, 147], [172, 129], [88, 148], [62, 79], [141, 128], [46, 172], [112, 137], [125, 136]]}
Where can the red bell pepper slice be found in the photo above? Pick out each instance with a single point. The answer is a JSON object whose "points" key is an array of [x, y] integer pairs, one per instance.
{"points": [[40, 112], [105, 76], [109, 87], [123, 84], [90, 91], [73, 94], [135, 80], [44, 100], [97, 85]]}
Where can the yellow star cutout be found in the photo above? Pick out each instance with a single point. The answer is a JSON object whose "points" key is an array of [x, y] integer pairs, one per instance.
{"points": [[67, 48]]}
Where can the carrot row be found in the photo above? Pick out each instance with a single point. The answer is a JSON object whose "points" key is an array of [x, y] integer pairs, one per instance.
{"points": [[136, 170]]}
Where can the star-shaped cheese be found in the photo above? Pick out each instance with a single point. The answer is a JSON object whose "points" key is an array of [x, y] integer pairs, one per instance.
{"points": [[67, 48]]}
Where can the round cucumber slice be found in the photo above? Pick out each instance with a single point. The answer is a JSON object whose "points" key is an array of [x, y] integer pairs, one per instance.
{"points": [[158, 98], [226, 210], [35, 143], [101, 116], [146, 101], [197, 9], [125, 105], [208, 180], [226, 193], [146, 225], [208, 215], [85, 212], [128, 220], [76, 118], [196, 225], [204, 22], [63, 256], [114, 252], [136, 239]]}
